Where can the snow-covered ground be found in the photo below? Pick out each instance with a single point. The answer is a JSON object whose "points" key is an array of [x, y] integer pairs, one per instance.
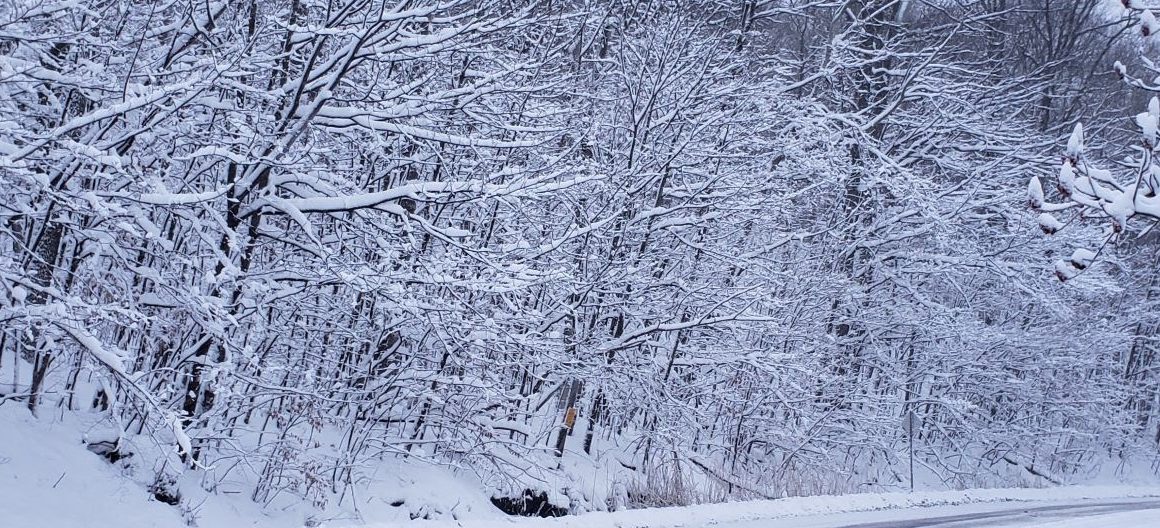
{"points": [[1078, 513], [1047, 505], [1140, 519], [1123, 513], [49, 480]]}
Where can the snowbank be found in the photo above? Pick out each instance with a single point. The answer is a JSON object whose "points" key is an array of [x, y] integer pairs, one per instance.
{"points": [[49, 480], [711, 514]]}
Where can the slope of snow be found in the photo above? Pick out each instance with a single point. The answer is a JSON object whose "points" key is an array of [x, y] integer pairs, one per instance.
{"points": [[758, 514], [48, 479]]}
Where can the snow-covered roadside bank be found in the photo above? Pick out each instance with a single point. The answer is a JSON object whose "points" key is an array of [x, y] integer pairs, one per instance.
{"points": [[1088, 513], [737, 512], [49, 480]]}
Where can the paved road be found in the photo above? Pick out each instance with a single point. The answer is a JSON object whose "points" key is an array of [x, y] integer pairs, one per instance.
{"points": [[1025, 515]]}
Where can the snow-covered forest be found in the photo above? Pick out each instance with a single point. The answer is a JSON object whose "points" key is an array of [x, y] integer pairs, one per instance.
{"points": [[623, 253]]}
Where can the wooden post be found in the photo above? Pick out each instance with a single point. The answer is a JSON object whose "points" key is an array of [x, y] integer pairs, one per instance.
{"points": [[572, 391]]}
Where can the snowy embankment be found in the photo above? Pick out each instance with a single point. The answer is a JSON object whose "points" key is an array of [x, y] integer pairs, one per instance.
{"points": [[49, 480], [715, 514]]}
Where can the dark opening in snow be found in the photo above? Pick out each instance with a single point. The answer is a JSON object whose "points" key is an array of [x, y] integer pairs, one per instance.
{"points": [[529, 504], [111, 451]]}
